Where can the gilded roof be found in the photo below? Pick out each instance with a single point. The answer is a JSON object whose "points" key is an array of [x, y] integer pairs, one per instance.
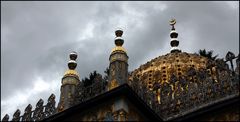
{"points": [[161, 68]]}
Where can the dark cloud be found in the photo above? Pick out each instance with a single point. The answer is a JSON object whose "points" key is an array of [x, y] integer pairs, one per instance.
{"points": [[36, 37]]}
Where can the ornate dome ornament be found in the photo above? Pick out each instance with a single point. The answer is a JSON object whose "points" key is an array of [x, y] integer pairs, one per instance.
{"points": [[72, 64], [173, 34], [119, 41]]}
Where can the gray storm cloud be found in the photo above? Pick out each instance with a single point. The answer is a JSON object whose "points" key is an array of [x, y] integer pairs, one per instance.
{"points": [[36, 38]]}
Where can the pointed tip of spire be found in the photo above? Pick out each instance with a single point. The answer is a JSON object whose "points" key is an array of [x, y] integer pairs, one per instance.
{"points": [[173, 34], [172, 23]]}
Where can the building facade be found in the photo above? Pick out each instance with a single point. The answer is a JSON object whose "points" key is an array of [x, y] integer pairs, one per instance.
{"points": [[176, 86]]}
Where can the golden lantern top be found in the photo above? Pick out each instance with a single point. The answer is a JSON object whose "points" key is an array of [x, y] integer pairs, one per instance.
{"points": [[172, 23], [119, 41], [72, 64]]}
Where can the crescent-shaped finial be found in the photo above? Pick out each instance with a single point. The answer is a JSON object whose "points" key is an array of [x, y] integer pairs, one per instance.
{"points": [[173, 22]]}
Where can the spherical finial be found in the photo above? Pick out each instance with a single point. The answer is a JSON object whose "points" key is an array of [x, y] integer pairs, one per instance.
{"points": [[118, 32], [72, 64], [119, 41], [73, 55]]}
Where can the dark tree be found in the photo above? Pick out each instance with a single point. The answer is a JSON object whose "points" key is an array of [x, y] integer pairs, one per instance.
{"points": [[86, 81], [208, 54], [93, 77], [106, 76]]}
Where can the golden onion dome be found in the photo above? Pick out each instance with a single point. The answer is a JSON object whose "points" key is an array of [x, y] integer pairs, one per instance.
{"points": [[160, 69], [119, 48]]}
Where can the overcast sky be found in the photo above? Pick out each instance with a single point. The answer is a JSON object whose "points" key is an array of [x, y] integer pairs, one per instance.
{"points": [[37, 37]]}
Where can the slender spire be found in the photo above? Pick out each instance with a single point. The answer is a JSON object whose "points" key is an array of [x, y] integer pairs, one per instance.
{"points": [[118, 62], [173, 34], [70, 81]]}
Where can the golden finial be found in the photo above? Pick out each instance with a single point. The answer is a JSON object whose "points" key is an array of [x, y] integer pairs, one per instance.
{"points": [[72, 64], [118, 32], [172, 23], [118, 41]]}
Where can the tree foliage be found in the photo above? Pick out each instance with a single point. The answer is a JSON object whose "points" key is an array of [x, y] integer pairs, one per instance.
{"points": [[208, 54], [107, 73], [95, 77]]}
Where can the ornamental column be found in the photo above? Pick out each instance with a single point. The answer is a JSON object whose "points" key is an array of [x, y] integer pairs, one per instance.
{"points": [[69, 84], [118, 62]]}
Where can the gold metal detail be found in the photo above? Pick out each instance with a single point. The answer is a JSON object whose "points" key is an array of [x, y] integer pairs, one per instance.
{"points": [[160, 69], [122, 115], [61, 108], [113, 84], [172, 21], [118, 48], [71, 72]]}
